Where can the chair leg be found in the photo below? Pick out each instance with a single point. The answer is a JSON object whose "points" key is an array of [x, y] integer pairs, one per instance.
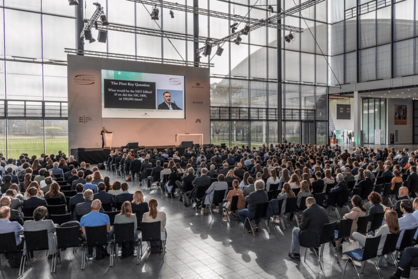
{"points": [[266, 221], [304, 258], [376, 265], [345, 266], [336, 212], [296, 220], [282, 222], [395, 262], [22, 264], [362, 265]]}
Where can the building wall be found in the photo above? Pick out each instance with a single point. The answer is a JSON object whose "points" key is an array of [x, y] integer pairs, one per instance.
{"points": [[404, 131], [342, 124]]}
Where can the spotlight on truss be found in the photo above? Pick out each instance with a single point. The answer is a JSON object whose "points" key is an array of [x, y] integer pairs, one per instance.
{"points": [[208, 50], [171, 14], [104, 21], [289, 37], [155, 13], [73, 2], [270, 8], [246, 30], [238, 40], [219, 51]]}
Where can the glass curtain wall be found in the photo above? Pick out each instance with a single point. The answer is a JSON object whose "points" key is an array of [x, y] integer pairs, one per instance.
{"points": [[246, 74], [373, 118], [33, 75]]}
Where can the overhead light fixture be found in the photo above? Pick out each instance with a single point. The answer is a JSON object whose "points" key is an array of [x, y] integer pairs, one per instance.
{"points": [[234, 27], [73, 2], [246, 30], [102, 37], [155, 13], [103, 18], [87, 35], [289, 37], [238, 40], [220, 50], [271, 10], [92, 40], [171, 14], [208, 49]]}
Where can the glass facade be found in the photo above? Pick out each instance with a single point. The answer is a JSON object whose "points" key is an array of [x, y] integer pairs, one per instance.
{"points": [[374, 118], [34, 34]]}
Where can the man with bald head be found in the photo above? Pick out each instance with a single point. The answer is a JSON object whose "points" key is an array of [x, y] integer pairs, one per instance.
{"points": [[94, 219], [403, 195]]}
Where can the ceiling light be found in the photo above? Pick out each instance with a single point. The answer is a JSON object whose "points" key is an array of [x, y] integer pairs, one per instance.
{"points": [[238, 40], [155, 13], [171, 14], [208, 50], [87, 35], [73, 2], [219, 51], [92, 40], [104, 21], [102, 37], [234, 27], [289, 38], [270, 8], [246, 30]]}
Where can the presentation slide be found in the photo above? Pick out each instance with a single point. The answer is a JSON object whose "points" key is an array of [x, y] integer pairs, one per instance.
{"points": [[142, 95]]}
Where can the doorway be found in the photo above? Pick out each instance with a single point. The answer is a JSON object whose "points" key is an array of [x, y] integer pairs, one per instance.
{"points": [[308, 132]]}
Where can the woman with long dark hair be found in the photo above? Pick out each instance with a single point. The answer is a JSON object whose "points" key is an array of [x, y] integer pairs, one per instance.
{"points": [[156, 216], [55, 193], [126, 216], [357, 211]]}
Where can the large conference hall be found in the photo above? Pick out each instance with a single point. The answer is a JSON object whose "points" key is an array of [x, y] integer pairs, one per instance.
{"points": [[209, 139]]}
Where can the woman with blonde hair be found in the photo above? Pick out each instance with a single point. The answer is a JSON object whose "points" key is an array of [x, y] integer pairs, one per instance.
{"points": [[126, 216], [138, 203], [156, 216]]}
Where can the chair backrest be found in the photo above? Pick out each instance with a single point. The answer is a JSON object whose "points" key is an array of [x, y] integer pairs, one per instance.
{"points": [[328, 234], [107, 207], [404, 177], [362, 224], [261, 210], [53, 201], [274, 187], [407, 184], [397, 186], [371, 247], [234, 203], [390, 243], [201, 191], [350, 184], [218, 196], [36, 240], [376, 220], [345, 228], [151, 231], [60, 218], [66, 188], [111, 215], [388, 179], [8, 243], [320, 198], [357, 191], [57, 209], [124, 233], [386, 190], [296, 191], [96, 235], [291, 205], [166, 177], [329, 187], [380, 180], [302, 205], [68, 237], [69, 193], [28, 211], [407, 238], [332, 199], [118, 206], [378, 188]]}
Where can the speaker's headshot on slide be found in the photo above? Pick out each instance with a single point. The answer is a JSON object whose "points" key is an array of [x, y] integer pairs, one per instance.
{"points": [[169, 99]]}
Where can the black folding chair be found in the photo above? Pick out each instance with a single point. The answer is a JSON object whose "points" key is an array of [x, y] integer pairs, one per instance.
{"points": [[291, 208], [57, 209], [28, 212], [407, 240], [327, 236], [69, 193], [319, 198], [386, 192], [380, 180], [273, 191], [95, 236], [378, 188], [344, 231], [260, 213], [8, 245], [151, 232], [362, 224], [302, 205], [362, 255], [107, 207], [218, 197], [350, 184], [66, 188], [329, 187], [68, 237], [36, 241], [332, 202], [390, 247], [53, 201], [200, 193], [60, 218], [234, 207], [296, 191], [123, 233], [111, 215], [376, 221]]}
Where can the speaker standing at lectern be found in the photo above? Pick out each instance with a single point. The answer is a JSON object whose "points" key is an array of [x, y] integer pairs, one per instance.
{"points": [[102, 133]]}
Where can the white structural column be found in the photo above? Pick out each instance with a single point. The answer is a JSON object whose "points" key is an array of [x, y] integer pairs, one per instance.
{"points": [[357, 119]]}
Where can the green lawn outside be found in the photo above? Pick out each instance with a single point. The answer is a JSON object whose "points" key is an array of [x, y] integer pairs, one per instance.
{"points": [[33, 146]]}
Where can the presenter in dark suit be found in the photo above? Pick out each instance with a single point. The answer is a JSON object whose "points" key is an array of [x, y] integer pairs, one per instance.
{"points": [[104, 131], [167, 104]]}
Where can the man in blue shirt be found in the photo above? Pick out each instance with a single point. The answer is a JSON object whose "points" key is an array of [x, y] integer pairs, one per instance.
{"points": [[415, 214], [89, 185], [94, 219], [408, 221], [6, 226]]}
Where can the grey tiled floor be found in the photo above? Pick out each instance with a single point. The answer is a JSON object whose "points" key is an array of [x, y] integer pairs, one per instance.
{"points": [[202, 247]]}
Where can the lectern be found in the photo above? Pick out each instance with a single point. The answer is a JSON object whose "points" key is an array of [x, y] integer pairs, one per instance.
{"points": [[107, 137]]}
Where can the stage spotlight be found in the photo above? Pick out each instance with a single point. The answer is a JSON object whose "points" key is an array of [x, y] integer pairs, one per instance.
{"points": [[102, 36], [246, 30], [289, 38], [87, 35], [103, 18], [208, 50], [92, 40], [155, 13], [271, 10], [73, 2], [219, 51], [238, 40], [171, 14], [234, 27]]}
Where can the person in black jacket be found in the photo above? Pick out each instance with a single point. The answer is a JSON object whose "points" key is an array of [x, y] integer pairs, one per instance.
{"points": [[310, 229], [105, 198], [256, 197], [342, 184], [413, 176], [366, 185], [319, 184]]}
